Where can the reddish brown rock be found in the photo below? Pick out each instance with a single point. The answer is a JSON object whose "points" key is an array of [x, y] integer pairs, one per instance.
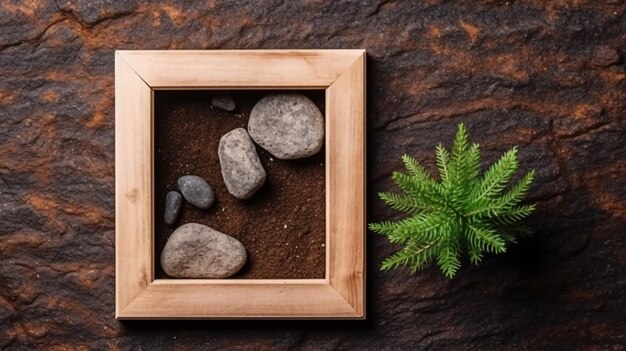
{"points": [[515, 72]]}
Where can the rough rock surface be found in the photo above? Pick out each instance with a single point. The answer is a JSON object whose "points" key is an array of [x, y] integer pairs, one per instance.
{"points": [[241, 168], [289, 126], [223, 101], [198, 251], [515, 72], [196, 191], [173, 204]]}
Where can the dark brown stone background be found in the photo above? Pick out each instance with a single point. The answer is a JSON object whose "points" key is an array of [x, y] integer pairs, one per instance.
{"points": [[548, 76]]}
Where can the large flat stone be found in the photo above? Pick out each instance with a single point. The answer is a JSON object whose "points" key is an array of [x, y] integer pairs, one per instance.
{"points": [[198, 251], [289, 126]]}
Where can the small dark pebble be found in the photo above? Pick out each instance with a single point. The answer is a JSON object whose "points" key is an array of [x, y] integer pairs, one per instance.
{"points": [[173, 204], [223, 101], [196, 191]]}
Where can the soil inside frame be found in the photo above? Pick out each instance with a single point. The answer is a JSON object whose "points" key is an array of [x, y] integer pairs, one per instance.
{"points": [[282, 226]]}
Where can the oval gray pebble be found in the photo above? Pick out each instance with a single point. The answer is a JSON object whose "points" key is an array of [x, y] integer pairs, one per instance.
{"points": [[289, 126], [173, 203], [241, 168], [196, 191], [198, 251]]}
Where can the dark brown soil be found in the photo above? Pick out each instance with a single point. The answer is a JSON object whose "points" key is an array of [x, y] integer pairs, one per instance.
{"points": [[282, 226]]}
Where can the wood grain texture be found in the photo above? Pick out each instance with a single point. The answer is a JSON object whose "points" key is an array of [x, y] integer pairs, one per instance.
{"points": [[239, 69], [345, 186], [242, 300], [341, 294], [133, 185]]}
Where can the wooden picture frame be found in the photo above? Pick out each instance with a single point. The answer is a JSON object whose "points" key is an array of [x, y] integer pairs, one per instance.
{"points": [[341, 294]]}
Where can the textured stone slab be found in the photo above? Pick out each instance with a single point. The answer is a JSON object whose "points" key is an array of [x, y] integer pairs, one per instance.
{"points": [[198, 251], [521, 73], [242, 170]]}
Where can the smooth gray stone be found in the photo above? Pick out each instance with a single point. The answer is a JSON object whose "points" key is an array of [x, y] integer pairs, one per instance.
{"points": [[223, 100], [241, 168], [173, 204], [196, 191], [289, 126], [197, 251]]}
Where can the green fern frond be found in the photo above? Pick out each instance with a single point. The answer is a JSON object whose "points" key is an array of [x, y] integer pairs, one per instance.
{"points": [[461, 214], [486, 238], [475, 254], [425, 191], [448, 257], [402, 203], [498, 175], [459, 151], [472, 163], [505, 203], [383, 228], [517, 192], [461, 142], [415, 169], [514, 214], [443, 163], [413, 256]]}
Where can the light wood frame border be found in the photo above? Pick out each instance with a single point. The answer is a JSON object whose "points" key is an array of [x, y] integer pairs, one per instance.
{"points": [[341, 294]]}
